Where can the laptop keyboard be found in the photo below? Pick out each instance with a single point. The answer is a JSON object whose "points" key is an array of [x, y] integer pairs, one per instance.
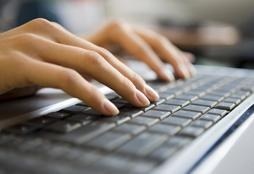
{"points": [[77, 139]]}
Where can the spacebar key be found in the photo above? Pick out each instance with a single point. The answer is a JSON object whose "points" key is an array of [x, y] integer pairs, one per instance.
{"points": [[84, 133]]}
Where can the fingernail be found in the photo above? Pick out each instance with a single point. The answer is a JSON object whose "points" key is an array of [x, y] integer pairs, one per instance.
{"points": [[171, 77], [141, 98], [152, 95], [193, 70], [185, 72], [167, 76], [109, 108]]}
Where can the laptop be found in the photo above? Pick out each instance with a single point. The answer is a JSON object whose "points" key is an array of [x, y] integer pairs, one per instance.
{"points": [[190, 129]]}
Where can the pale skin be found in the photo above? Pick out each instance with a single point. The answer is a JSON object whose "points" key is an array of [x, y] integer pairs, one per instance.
{"points": [[43, 53]]}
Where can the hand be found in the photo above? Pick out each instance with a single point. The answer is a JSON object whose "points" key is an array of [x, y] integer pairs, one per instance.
{"points": [[147, 46], [42, 53]]}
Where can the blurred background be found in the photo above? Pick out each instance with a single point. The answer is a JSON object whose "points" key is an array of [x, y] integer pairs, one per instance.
{"points": [[218, 32]]}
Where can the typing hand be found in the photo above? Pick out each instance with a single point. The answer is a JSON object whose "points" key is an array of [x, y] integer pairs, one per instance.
{"points": [[147, 46], [42, 53]]}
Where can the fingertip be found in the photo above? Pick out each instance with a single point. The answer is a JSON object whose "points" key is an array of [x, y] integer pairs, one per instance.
{"points": [[141, 99], [184, 72], [109, 108], [163, 75], [193, 70], [151, 93]]}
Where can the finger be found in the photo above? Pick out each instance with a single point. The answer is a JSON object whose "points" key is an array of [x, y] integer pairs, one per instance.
{"points": [[189, 56], [188, 64], [168, 52], [92, 64], [140, 49], [187, 60], [62, 36], [123, 69], [127, 72], [49, 75]]}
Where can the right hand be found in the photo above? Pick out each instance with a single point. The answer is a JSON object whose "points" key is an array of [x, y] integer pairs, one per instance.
{"points": [[42, 53]]}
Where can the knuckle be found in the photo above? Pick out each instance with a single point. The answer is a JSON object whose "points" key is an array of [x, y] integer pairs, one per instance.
{"points": [[18, 60], [116, 27], [162, 40], [25, 39], [41, 23], [126, 83], [116, 23], [27, 36], [93, 96], [138, 81], [68, 77], [94, 58], [140, 50], [103, 51]]}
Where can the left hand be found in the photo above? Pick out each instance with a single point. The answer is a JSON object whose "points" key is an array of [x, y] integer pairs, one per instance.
{"points": [[146, 45]]}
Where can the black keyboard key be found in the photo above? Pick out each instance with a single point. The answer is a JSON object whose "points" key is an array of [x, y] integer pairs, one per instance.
{"points": [[57, 115], [130, 128], [119, 100], [177, 102], [212, 97], [89, 157], [82, 104], [203, 102], [63, 126], [211, 117], [23, 129], [196, 108], [130, 111], [219, 92], [119, 105], [109, 140], [81, 118], [123, 164], [165, 95], [163, 153], [187, 97], [177, 121], [241, 94], [226, 106], [156, 114], [91, 112], [29, 145], [165, 129], [221, 95], [187, 114], [220, 112], [75, 109], [40, 121], [232, 100], [144, 121], [115, 119], [202, 123], [196, 92], [82, 134], [143, 144], [166, 107], [112, 96], [178, 141], [192, 131]]}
